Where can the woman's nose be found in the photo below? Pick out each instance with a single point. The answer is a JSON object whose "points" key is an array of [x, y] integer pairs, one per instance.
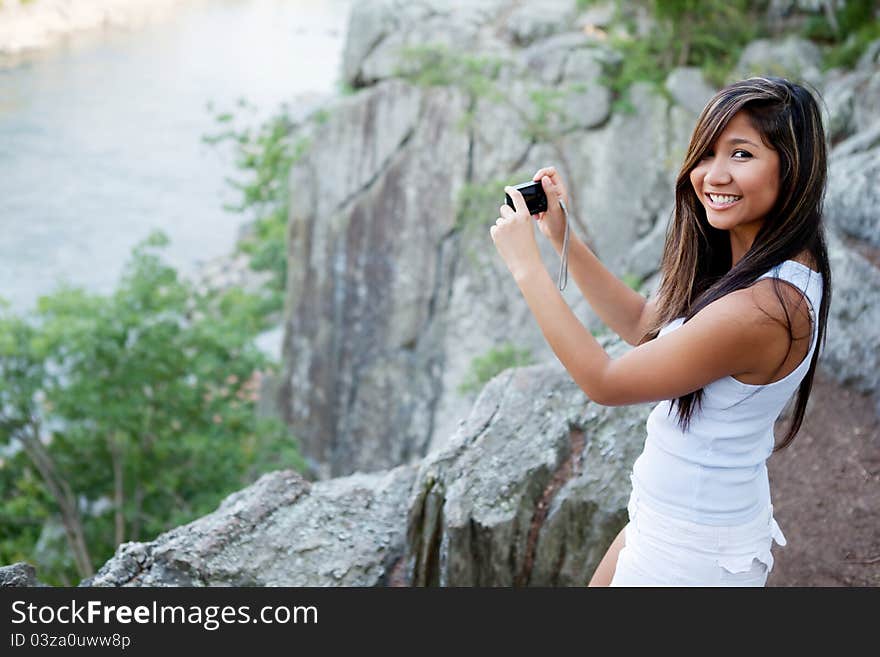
{"points": [[718, 173]]}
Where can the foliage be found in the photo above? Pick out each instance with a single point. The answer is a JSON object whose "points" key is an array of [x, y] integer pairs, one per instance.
{"points": [[25, 506], [856, 26], [124, 416], [435, 65], [540, 109], [265, 155], [709, 34], [496, 360]]}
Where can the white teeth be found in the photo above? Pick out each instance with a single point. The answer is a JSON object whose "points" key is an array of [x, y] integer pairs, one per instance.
{"points": [[723, 200]]}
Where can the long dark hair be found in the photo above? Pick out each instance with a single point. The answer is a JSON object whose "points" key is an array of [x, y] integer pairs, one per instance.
{"points": [[696, 266]]}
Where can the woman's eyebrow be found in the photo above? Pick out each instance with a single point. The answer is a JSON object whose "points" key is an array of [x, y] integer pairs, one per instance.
{"points": [[740, 140]]}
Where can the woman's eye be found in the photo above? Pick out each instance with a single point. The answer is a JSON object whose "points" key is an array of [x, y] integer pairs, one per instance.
{"points": [[745, 154]]}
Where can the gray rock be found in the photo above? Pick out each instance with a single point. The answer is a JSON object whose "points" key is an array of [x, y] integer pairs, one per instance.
{"points": [[866, 106], [598, 15], [785, 6], [870, 59], [689, 89], [280, 531], [841, 95], [853, 193], [792, 57], [852, 98], [18, 575], [530, 23], [850, 355], [531, 489], [371, 258], [504, 131], [380, 33], [859, 143], [588, 103], [622, 174], [644, 258], [546, 60]]}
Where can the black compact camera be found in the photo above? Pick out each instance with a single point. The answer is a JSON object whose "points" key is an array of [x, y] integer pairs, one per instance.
{"points": [[533, 193]]}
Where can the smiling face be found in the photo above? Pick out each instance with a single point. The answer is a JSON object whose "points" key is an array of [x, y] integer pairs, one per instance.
{"points": [[737, 181]]}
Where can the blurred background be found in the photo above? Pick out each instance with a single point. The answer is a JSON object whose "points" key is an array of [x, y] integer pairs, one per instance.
{"points": [[102, 129]]}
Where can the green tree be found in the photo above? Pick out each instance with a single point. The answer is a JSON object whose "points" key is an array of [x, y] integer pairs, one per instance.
{"points": [[135, 412], [843, 31]]}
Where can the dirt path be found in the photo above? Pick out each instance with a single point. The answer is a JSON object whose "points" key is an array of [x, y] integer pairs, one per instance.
{"points": [[826, 492]]}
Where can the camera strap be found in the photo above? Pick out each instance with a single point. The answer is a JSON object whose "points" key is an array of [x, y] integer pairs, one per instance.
{"points": [[563, 266]]}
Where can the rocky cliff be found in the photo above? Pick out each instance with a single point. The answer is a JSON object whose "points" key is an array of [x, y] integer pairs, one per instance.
{"points": [[394, 284]]}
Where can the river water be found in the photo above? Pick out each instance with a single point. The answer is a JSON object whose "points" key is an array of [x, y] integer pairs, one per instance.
{"points": [[100, 137]]}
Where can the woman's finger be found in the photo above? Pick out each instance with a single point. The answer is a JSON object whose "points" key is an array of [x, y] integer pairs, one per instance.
{"points": [[550, 190], [553, 191], [545, 171]]}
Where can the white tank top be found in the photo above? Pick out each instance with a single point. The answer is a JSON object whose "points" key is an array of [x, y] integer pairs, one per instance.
{"points": [[716, 472]]}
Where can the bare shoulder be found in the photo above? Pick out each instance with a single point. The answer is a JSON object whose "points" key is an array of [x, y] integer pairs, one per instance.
{"points": [[782, 303], [746, 316], [781, 331], [753, 323]]}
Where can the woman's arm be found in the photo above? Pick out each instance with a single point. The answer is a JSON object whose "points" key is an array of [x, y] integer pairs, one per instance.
{"points": [[730, 336], [618, 305]]}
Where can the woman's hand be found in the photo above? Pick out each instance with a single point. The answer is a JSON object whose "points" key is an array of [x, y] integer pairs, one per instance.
{"points": [[514, 236], [552, 222]]}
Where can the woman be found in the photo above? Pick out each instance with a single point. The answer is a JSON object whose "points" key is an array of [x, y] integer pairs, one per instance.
{"points": [[731, 333]]}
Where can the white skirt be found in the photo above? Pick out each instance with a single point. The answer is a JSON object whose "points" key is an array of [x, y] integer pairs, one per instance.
{"points": [[661, 550]]}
